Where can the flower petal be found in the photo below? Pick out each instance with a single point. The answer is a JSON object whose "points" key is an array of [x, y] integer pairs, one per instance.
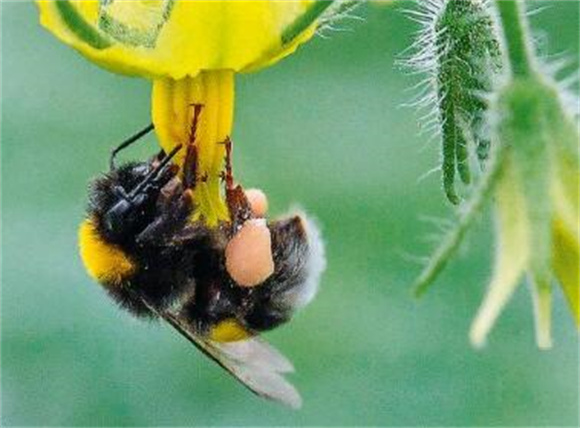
{"points": [[178, 38], [566, 227], [512, 255], [566, 264]]}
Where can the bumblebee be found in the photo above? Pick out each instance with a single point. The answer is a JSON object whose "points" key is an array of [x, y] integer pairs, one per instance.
{"points": [[139, 242]]}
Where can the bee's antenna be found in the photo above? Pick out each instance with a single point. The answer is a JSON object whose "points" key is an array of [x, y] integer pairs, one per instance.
{"points": [[154, 173], [128, 142]]}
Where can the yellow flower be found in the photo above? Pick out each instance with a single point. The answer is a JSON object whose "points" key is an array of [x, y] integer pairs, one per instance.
{"points": [[190, 50], [534, 180], [537, 206]]}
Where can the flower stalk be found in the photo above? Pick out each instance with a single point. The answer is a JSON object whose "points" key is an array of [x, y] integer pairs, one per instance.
{"points": [[516, 36], [453, 239]]}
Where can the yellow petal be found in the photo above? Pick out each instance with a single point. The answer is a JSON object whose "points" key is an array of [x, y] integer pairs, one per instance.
{"points": [[566, 264], [512, 254], [177, 38], [172, 112], [566, 230]]}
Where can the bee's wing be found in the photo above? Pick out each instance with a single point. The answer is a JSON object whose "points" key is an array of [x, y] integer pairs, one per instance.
{"points": [[253, 362], [259, 367]]}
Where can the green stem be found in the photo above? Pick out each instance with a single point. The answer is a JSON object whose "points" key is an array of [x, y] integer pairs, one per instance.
{"points": [[516, 36], [454, 238]]}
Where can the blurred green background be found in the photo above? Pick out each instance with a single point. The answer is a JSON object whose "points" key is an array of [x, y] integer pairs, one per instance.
{"points": [[323, 129]]}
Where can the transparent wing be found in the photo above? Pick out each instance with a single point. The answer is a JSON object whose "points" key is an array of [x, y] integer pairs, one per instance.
{"points": [[253, 362], [259, 366]]}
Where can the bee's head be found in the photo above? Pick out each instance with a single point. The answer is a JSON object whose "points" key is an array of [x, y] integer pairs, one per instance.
{"points": [[123, 201]]}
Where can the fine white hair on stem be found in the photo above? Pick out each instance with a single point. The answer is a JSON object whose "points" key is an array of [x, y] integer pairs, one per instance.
{"points": [[535, 8], [428, 174], [339, 13], [412, 258], [442, 223]]}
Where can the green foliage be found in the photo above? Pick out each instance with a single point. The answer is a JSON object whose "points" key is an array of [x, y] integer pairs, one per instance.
{"points": [[534, 139]]}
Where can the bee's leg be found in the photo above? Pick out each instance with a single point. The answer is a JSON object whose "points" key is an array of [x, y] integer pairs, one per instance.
{"points": [[128, 142], [238, 204], [174, 214], [239, 207], [161, 155], [194, 122], [190, 167], [158, 158], [191, 150], [228, 175]]}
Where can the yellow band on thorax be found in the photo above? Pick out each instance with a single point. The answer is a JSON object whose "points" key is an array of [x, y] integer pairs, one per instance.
{"points": [[105, 262]]}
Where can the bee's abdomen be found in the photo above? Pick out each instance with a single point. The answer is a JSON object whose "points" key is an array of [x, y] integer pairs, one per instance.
{"points": [[299, 261], [267, 317]]}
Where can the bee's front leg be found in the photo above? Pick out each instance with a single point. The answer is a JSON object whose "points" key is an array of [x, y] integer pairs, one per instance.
{"points": [[174, 210]]}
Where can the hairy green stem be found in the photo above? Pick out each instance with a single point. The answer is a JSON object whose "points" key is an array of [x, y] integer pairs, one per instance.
{"points": [[454, 238], [516, 36]]}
